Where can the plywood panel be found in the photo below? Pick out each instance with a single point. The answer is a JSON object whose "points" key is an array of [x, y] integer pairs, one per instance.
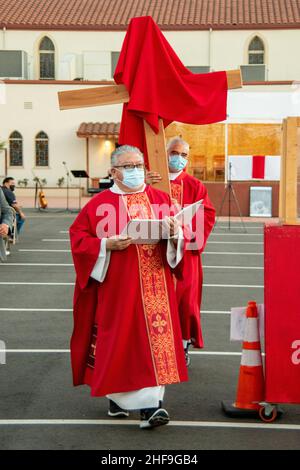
{"points": [[298, 169], [243, 139], [207, 140], [254, 139]]}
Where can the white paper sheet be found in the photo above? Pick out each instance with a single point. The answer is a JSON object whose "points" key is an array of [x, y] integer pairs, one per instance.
{"points": [[150, 231], [238, 322]]}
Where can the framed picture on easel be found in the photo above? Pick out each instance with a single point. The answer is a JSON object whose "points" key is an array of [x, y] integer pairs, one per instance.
{"points": [[261, 201]]}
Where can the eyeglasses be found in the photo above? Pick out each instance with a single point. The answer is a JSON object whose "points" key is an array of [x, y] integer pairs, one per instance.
{"points": [[131, 166], [175, 153]]}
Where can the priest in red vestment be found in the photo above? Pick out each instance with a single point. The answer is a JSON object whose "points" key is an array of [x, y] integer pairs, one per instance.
{"points": [[127, 342], [186, 190]]}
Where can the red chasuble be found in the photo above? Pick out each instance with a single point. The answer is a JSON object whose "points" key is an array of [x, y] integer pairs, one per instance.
{"points": [[127, 332], [186, 189], [160, 86]]}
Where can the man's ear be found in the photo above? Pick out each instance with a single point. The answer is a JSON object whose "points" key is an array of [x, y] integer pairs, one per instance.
{"points": [[113, 172]]}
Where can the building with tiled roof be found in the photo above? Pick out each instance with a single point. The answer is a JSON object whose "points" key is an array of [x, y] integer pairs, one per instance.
{"points": [[48, 46], [105, 15], [75, 39]]}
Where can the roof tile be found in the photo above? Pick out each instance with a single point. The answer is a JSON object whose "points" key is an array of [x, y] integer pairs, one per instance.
{"points": [[169, 14], [99, 129]]}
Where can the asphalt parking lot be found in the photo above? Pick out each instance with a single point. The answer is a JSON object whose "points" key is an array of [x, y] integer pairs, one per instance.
{"points": [[39, 407]]}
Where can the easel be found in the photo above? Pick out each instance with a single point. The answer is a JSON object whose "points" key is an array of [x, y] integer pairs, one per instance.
{"points": [[230, 193], [117, 94]]}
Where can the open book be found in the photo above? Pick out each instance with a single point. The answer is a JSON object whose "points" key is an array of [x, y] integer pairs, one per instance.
{"points": [[150, 231]]}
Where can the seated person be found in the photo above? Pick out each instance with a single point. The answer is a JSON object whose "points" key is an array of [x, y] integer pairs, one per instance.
{"points": [[6, 220], [8, 190]]}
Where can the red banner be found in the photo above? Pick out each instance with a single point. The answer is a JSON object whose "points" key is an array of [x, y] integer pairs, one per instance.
{"points": [[258, 167], [282, 310]]}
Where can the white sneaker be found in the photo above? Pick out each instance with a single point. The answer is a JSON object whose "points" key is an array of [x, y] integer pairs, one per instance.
{"points": [[158, 418]]}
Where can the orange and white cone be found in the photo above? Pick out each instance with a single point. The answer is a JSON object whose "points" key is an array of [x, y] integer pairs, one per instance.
{"points": [[251, 387]]}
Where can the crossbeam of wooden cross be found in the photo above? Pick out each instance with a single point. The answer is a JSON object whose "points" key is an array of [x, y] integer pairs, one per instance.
{"points": [[118, 94]]}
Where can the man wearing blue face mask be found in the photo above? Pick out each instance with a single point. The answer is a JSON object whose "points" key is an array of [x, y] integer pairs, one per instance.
{"points": [[186, 190], [127, 343]]}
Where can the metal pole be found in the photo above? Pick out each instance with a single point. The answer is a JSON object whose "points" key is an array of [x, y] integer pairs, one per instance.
{"points": [[229, 199], [87, 162], [68, 183], [226, 151], [79, 193]]}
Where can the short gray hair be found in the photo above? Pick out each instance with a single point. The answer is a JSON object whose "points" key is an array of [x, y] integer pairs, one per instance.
{"points": [[177, 140], [124, 149]]}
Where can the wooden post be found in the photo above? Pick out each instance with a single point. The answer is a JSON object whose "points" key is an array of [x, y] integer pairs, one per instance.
{"points": [[282, 185], [289, 171], [157, 155]]}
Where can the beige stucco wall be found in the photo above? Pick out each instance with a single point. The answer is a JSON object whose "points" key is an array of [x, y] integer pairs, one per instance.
{"points": [[60, 126], [228, 50]]}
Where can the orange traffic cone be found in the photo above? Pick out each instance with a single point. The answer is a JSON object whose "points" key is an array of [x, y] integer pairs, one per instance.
{"points": [[251, 388]]}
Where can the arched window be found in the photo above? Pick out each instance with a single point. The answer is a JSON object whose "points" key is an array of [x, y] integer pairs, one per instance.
{"points": [[47, 59], [42, 149], [15, 149], [256, 51]]}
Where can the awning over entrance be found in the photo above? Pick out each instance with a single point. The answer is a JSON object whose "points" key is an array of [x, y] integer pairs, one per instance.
{"points": [[108, 130]]}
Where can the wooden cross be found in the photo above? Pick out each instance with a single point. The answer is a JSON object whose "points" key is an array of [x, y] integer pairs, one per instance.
{"points": [[117, 94]]}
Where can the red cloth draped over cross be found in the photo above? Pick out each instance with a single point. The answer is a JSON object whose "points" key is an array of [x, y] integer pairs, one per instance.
{"points": [[160, 86], [156, 89]]}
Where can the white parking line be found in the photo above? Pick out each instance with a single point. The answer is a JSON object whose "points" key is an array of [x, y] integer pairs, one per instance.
{"points": [[230, 253], [44, 250], [55, 240], [232, 267], [8, 283], [123, 422], [246, 286], [233, 243], [37, 283], [236, 229], [52, 216], [237, 234], [37, 351], [9, 309], [36, 309], [209, 242], [248, 225], [63, 351], [71, 264], [217, 312], [39, 264]]}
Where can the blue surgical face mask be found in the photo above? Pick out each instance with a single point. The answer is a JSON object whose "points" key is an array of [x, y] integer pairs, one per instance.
{"points": [[177, 162], [133, 178]]}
